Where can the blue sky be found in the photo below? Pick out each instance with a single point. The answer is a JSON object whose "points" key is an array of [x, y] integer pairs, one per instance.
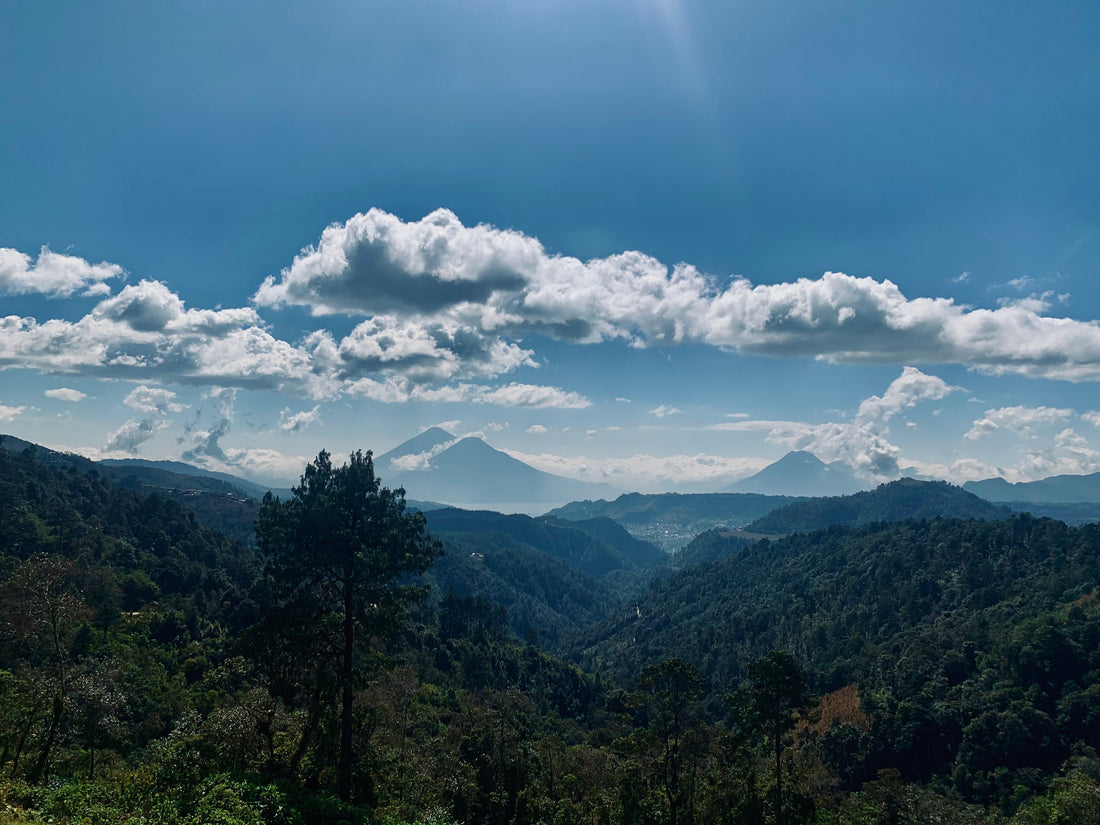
{"points": [[649, 242]]}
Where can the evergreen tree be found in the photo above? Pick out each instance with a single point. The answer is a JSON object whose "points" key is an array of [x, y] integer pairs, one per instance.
{"points": [[769, 705], [337, 555]]}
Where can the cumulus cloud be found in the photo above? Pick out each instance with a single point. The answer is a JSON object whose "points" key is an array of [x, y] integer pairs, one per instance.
{"points": [[9, 413], [1070, 453], [910, 388], [145, 332], [446, 310], [536, 429], [295, 422], [153, 400], [1091, 417], [1020, 420], [157, 403], [435, 351], [131, 435], [53, 275], [862, 443], [501, 286], [65, 394], [1039, 304]]}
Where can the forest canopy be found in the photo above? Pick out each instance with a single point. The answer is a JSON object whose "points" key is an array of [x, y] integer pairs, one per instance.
{"points": [[153, 670]]}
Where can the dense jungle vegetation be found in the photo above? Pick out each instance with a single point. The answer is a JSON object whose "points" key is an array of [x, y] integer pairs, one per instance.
{"points": [[155, 671]]}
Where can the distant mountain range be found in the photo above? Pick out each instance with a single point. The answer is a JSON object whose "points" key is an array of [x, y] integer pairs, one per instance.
{"points": [[179, 468], [1062, 489], [138, 473], [800, 474], [439, 467]]}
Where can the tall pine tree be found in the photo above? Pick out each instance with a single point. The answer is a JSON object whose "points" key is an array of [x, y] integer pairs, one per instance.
{"points": [[338, 553]]}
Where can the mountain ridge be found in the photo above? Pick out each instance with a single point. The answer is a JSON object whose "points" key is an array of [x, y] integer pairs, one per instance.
{"points": [[471, 471], [1059, 489]]}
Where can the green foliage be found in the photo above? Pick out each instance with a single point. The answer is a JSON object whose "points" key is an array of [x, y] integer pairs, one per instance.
{"points": [[543, 597]]}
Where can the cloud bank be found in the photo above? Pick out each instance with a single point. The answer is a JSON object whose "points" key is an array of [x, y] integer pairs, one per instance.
{"points": [[445, 312], [491, 287]]}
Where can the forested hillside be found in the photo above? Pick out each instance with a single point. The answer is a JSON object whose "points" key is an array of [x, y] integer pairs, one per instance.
{"points": [[973, 644], [153, 671], [896, 501]]}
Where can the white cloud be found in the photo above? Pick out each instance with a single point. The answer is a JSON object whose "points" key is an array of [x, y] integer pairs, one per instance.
{"points": [[862, 443], [422, 461], [910, 388], [1019, 420], [862, 446], [157, 402], [1069, 454], [133, 434], [533, 395], [1091, 417], [295, 422], [65, 394], [145, 333], [496, 427], [962, 277], [491, 287], [1039, 304], [9, 413], [664, 410], [449, 426], [536, 429], [53, 275], [153, 400]]}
